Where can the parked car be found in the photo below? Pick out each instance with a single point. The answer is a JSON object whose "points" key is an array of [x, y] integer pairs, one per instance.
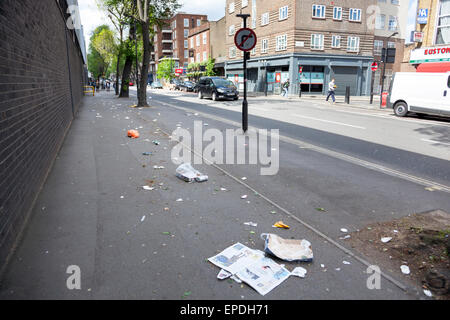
{"points": [[421, 93], [156, 85], [131, 84], [217, 88], [177, 84], [188, 86]]}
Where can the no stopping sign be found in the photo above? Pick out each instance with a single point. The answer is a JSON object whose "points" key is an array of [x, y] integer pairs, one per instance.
{"points": [[245, 39]]}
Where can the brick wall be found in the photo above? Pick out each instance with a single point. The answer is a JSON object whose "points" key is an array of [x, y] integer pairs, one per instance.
{"points": [[36, 106]]}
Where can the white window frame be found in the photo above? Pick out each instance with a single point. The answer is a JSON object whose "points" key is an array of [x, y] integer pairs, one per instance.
{"points": [[186, 33], [192, 42], [231, 30], [336, 39], [339, 11], [244, 3], [205, 55], [320, 36], [186, 44], [318, 11], [199, 22], [186, 54], [232, 52], [283, 13], [378, 47], [197, 40], [281, 42], [359, 15], [205, 38], [231, 8], [186, 23], [265, 19], [353, 49], [264, 45]]}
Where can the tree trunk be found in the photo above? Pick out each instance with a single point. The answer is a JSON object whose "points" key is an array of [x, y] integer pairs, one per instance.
{"points": [[125, 87], [142, 91]]}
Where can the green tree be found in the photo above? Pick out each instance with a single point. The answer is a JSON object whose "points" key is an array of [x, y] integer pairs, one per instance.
{"points": [[97, 64], [105, 44], [166, 69]]}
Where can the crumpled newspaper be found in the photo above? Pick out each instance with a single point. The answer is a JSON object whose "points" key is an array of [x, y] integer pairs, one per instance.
{"points": [[287, 250]]}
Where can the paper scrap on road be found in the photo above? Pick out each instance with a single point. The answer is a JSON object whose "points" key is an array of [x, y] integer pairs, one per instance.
{"points": [[386, 239], [251, 224], [344, 230], [244, 196], [187, 173], [288, 250], [299, 272], [148, 188], [251, 267], [223, 274], [134, 134]]}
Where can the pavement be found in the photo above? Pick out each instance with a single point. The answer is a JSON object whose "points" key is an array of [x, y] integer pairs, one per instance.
{"points": [[130, 243]]}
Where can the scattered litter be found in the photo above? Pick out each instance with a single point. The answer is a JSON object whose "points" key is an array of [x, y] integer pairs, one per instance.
{"points": [[122, 197], [127, 118], [405, 269], [244, 196], [321, 209], [148, 188], [187, 173], [281, 225], [143, 218], [395, 231], [134, 134], [427, 293], [156, 142], [252, 267], [223, 189], [223, 274], [386, 239], [233, 277], [252, 224], [299, 272], [180, 200], [322, 266], [146, 153], [288, 250], [244, 178], [338, 269], [346, 237], [346, 262], [273, 212], [344, 230], [158, 167]]}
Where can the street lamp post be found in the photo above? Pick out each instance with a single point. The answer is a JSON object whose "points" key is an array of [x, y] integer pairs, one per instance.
{"points": [[264, 63], [384, 58]]}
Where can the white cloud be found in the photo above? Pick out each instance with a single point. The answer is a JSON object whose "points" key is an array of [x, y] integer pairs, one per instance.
{"points": [[215, 9]]}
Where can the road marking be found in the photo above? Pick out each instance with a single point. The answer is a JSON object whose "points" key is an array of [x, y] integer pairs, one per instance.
{"points": [[331, 153], [433, 141], [287, 212], [328, 121]]}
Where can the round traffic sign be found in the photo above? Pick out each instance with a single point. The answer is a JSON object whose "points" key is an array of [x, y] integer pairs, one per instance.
{"points": [[375, 66], [245, 39]]}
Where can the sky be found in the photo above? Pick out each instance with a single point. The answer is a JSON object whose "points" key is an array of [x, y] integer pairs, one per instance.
{"points": [[92, 16]]}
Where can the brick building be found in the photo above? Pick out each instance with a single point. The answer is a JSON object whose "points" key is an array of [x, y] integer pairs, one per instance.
{"points": [[42, 73], [172, 40], [326, 40]]}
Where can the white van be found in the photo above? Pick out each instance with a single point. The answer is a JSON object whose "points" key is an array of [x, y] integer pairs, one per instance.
{"points": [[421, 93]]}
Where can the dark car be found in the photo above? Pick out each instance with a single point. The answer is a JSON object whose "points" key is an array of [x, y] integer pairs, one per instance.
{"points": [[217, 88], [188, 86], [178, 84]]}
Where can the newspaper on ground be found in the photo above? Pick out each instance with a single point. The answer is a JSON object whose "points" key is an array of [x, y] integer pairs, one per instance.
{"points": [[287, 250], [187, 173], [252, 267]]}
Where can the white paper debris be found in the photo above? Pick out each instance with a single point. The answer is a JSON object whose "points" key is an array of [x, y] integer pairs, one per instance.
{"points": [[244, 196], [287, 250], [252, 224], [427, 293], [405, 269], [346, 262], [344, 230], [148, 188], [223, 274], [299, 272], [386, 239]]}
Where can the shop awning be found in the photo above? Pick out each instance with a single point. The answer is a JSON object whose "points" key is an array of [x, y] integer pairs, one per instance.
{"points": [[434, 67]]}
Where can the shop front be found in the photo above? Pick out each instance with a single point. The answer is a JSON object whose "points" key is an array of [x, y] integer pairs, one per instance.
{"points": [[431, 59]]}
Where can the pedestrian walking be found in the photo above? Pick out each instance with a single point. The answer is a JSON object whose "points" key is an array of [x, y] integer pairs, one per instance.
{"points": [[285, 87], [331, 91]]}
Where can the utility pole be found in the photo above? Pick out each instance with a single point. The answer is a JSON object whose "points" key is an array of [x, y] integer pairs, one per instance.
{"points": [[385, 55]]}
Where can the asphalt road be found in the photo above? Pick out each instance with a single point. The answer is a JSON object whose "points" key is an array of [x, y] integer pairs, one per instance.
{"points": [[92, 208]]}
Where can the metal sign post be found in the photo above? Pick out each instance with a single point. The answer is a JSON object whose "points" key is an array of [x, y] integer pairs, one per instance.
{"points": [[245, 40]]}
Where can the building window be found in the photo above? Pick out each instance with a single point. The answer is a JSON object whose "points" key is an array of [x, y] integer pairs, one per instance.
{"points": [[336, 41], [186, 44], [443, 25], [378, 47], [232, 52], [199, 22], [186, 33], [281, 42], [205, 38], [205, 56], [174, 35], [392, 24], [380, 22], [355, 15], [186, 23], [265, 19], [197, 40], [192, 42], [318, 11], [186, 54], [337, 13], [283, 13], [231, 30], [244, 3], [317, 42], [253, 52], [391, 45], [264, 45], [198, 57], [231, 8], [353, 44]]}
